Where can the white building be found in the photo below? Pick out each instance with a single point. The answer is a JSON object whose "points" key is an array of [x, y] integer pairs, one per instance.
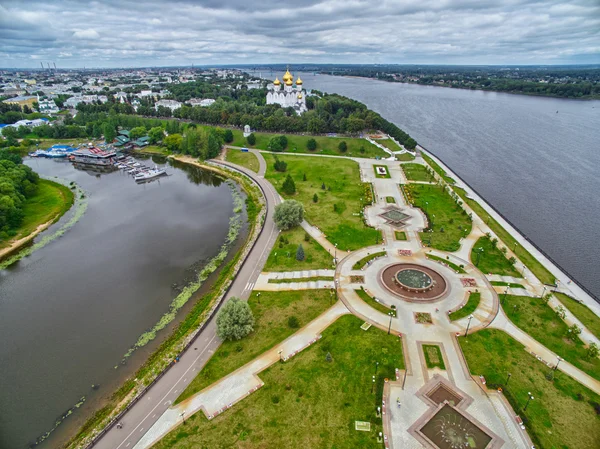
{"points": [[171, 104], [201, 102], [47, 106], [288, 96]]}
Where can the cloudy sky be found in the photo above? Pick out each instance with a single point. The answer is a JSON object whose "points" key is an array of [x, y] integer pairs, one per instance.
{"points": [[131, 33]]}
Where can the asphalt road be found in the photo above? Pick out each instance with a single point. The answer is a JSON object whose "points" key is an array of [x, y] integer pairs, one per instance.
{"points": [[151, 406]]}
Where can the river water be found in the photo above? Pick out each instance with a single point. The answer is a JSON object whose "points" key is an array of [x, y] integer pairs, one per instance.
{"points": [[72, 309], [535, 159]]}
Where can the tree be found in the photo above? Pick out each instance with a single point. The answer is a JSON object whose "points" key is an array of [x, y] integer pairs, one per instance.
{"points": [[328, 357], [315, 198], [300, 253], [156, 134], [293, 322], [288, 214], [342, 146], [173, 142], [137, 132], [251, 139], [593, 351], [277, 143], [235, 320], [109, 132], [304, 177], [323, 186], [311, 144], [228, 136], [280, 166], [289, 187]]}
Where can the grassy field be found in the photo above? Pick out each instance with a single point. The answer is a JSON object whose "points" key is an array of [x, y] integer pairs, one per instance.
{"points": [[438, 169], [153, 149], [538, 319], [369, 300], [492, 260], [389, 144], [325, 145], [416, 172], [405, 157], [400, 235], [390, 200], [271, 313], [245, 159], [433, 356], [307, 402], [283, 254], [50, 202], [561, 414], [377, 175], [468, 308], [343, 190], [452, 265], [531, 262], [365, 260], [506, 284], [307, 279], [447, 221], [588, 318]]}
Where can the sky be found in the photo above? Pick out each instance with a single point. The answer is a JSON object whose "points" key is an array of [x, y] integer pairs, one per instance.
{"points": [[112, 33]]}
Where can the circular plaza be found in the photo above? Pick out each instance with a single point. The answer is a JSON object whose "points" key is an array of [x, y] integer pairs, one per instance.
{"points": [[413, 282]]}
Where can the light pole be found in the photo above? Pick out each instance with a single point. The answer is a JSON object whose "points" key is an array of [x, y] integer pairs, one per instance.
{"points": [[479, 251], [559, 359], [279, 352], [504, 296], [373, 384], [515, 248], [390, 326], [182, 414], [528, 401], [507, 379], [544, 291], [335, 256], [468, 325], [426, 204], [376, 367]]}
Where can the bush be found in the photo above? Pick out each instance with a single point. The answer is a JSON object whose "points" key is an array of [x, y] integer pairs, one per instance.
{"points": [[228, 136], [293, 322], [342, 146], [300, 253], [251, 139], [311, 144], [277, 143], [235, 320], [289, 186], [280, 166], [315, 198], [288, 214]]}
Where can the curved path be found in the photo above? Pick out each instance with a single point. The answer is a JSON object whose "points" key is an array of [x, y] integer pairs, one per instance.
{"points": [[158, 399]]}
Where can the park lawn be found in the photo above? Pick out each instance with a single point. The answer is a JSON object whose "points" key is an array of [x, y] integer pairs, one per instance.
{"points": [[557, 417], [271, 313], [537, 318], [400, 235], [452, 265], [306, 279], [405, 157], [377, 175], [506, 284], [416, 172], [369, 300], [524, 256], [468, 308], [343, 189], [49, 203], [47, 143], [325, 145], [492, 260], [390, 200], [245, 159], [587, 317], [307, 402], [389, 144], [283, 254], [153, 149], [439, 170], [365, 260], [448, 222], [433, 357]]}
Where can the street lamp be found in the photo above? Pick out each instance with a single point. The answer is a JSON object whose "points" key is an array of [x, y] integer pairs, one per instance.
{"points": [[373, 384], [182, 414], [376, 367], [507, 379], [559, 359], [279, 352], [390, 326], [468, 325], [335, 256], [426, 204], [528, 400], [479, 251], [544, 291], [515, 248], [504, 296]]}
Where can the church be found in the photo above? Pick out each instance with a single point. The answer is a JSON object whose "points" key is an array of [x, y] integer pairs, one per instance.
{"points": [[288, 95]]}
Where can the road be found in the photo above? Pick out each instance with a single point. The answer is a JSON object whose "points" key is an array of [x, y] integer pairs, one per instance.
{"points": [[154, 403]]}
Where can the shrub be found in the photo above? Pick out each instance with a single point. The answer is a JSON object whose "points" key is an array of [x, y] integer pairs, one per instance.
{"points": [[288, 214], [293, 322], [300, 253], [251, 139], [315, 198], [228, 136], [289, 187], [342, 146], [280, 166], [311, 145]]}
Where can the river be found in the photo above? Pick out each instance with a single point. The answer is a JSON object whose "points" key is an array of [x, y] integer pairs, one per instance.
{"points": [[72, 309], [535, 159]]}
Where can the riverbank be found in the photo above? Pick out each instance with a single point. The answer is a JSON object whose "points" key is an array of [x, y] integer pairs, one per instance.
{"points": [[42, 210], [163, 358]]}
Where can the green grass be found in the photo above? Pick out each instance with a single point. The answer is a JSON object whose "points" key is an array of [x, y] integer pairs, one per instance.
{"points": [[307, 402], [153, 149], [343, 189], [245, 159], [308, 279], [389, 144], [452, 265], [400, 235], [433, 357], [390, 200], [416, 172], [325, 145], [560, 416], [283, 254], [371, 302], [362, 262], [468, 308], [492, 260], [587, 317], [538, 319], [377, 175], [405, 157], [49, 203], [507, 284], [450, 223], [531, 262], [271, 312], [439, 170]]}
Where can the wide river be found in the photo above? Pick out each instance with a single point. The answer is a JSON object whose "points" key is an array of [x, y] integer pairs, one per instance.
{"points": [[72, 309], [535, 159]]}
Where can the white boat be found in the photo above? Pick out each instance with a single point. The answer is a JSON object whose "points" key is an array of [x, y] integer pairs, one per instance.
{"points": [[150, 174]]}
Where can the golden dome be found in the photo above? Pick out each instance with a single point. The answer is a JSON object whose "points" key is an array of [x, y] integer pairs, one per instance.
{"points": [[277, 82], [289, 82], [299, 96], [299, 82], [288, 76]]}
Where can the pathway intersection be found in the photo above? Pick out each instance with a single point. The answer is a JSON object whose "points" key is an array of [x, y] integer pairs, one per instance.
{"points": [[417, 387]]}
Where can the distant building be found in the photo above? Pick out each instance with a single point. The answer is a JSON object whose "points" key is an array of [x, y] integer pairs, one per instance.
{"points": [[27, 123], [201, 102], [47, 106], [171, 104], [22, 100], [288, 96]]}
